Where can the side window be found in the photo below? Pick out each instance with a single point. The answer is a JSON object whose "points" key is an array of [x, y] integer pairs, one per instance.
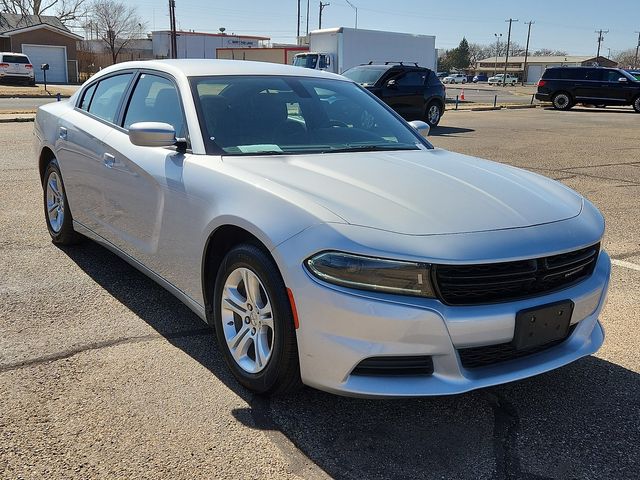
{"points": [[612, 76], [87, 96], [108, 95], [594, 74], [155, 99], [411, 79]]}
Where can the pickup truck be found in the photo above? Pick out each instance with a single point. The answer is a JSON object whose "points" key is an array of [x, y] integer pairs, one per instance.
{"points": [[497, 79]]}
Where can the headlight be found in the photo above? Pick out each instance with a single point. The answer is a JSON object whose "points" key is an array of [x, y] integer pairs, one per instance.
{"points": [[369, 273]]}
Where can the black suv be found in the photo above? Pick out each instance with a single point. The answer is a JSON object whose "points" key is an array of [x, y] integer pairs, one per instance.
{"points": [[599, 86], [416, 93]]}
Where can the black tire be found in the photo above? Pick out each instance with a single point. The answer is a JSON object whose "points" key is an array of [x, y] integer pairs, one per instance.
{"points": [[281, 374], [63, 234], [562, 101], [429, 114], [636, 104]]}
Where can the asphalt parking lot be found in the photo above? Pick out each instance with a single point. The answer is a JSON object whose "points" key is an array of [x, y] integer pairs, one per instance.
{"points": [[103, 374]]}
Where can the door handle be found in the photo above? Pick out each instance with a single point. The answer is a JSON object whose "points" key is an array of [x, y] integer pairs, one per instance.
{"points": [[63, 133], [108, 160]]}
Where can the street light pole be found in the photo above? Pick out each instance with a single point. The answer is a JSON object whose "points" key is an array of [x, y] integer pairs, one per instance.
{"points": [[495, 66], [635, 61], [355, 8], [506, 59]]}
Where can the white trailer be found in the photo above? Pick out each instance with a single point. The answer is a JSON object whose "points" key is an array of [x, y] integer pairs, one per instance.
{"points": [[338, 49]]}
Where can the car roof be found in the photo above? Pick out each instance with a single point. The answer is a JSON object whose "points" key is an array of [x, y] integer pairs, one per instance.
{"points": [[209, 67]]}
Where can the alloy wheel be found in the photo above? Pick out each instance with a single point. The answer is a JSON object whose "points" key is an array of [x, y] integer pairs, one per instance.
{"points": [[247, 320], [55, 202]]}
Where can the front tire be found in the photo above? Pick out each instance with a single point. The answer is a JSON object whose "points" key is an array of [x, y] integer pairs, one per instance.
{"points": [[636, 104], [562, 101], [56, 207], [254, 323]]}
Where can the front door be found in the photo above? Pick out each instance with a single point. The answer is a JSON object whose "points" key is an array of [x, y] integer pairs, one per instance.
{"points": [[406, 94]]}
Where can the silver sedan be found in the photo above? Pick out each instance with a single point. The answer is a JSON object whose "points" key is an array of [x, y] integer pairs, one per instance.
{"points": [[324, 239]]}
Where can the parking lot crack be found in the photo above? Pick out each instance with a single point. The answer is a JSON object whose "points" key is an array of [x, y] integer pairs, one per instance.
{"points": [[54, 357]]}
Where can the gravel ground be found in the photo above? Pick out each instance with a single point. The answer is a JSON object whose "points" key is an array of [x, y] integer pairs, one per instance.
{"points": [[104, 374]]}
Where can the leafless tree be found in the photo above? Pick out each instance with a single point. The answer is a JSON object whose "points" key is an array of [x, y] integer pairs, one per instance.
{"points": [[625, 58], [66, 10], [117, 24]]}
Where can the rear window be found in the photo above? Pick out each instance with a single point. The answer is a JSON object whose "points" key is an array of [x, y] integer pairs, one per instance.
{"points": [[15, 59]]}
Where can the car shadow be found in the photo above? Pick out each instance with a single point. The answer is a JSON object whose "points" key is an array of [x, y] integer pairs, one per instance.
{"points": [[580, 421], [442, 131]]}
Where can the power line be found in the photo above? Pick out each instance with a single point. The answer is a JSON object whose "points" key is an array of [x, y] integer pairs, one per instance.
{"points": [[600, 39], [506, 60]]}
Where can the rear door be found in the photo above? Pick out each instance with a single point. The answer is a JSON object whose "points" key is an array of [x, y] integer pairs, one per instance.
{"points": [[406, 96], [81, 147], [588, 84]]}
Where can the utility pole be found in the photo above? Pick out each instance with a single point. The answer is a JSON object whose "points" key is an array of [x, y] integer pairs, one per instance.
{"points": [[298, 34], [172, 21], [526, 51], [308, 20], [356, 9], [506, 59], [495, 65], [600, 40], [635, 61], [322, 7]]}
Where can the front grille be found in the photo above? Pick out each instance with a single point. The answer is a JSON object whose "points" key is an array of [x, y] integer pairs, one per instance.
{"points": [[395, 366], [476, 357], [499, 282]]}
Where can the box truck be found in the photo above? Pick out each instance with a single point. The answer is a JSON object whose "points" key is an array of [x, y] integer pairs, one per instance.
{"points": [[338, 49]]}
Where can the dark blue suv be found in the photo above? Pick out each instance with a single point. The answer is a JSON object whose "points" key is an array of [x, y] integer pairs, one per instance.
{"points": [[416, 93], [599, 86]]}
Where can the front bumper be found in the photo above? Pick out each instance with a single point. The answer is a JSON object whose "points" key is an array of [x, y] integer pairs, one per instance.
{"points": [[339, 328]]}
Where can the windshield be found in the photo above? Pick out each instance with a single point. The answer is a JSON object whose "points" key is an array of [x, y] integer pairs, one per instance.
{"points": [[245, 115], [365, 75], [306, 61]]}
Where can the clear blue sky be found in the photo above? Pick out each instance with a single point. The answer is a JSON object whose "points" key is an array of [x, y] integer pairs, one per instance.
{"points": [[560, 24]]}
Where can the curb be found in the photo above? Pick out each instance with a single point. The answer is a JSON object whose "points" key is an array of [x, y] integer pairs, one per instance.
{"points": [[516, 107], [18, 95], [17, 119], [485, 109]]}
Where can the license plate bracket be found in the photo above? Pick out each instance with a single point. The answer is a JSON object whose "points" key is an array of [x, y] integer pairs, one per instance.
{"points": [[541, 325]]}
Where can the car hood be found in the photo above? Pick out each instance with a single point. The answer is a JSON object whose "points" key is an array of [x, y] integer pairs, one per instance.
{"points": [[417, 192]]}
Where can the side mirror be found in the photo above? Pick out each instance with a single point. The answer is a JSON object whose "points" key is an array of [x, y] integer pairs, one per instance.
{"points": [[622, 79], [152, 134], [392, 84], [423, 128]]}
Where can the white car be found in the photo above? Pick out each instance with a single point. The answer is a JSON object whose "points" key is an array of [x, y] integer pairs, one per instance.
{"points": [[455, 78], [498, 79], [321, 236], [16, 67]]}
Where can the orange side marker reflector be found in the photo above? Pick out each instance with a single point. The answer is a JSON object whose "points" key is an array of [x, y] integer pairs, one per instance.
{"points": [[293, 308]]}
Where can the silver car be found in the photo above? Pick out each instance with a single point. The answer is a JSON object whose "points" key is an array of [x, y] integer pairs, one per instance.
{"points": [[321, 236]]}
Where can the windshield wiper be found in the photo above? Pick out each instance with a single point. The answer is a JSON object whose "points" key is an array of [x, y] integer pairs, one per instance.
{"points": [[370, 148]]}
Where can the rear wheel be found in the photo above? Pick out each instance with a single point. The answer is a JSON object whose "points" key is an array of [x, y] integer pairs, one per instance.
{"points": [[56, 207], [561, 101], [636, 104], [254, 322], [433, 114]]}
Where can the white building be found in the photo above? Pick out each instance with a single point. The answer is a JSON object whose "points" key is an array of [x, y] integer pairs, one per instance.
{"points": [[201, 45]]}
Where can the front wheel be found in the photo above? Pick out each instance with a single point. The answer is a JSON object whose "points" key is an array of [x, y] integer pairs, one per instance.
{"points": [[56, 207], [254, 322], [636, 104], [433, 114], [561, 101]]}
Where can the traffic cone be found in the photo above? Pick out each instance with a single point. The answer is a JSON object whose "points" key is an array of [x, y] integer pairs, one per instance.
{"points": [[462, 94]]}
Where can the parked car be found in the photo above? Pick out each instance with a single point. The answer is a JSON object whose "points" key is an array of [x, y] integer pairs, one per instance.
{"points": [[498, 79], [599, 86], [441, 75], [455, 78], [16, 67], [326, 241], [414, 92], [481, 77]]}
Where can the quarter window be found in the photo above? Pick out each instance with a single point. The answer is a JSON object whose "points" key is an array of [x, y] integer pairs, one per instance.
{"points": [[108, 95], [155, 99], [411, 79], [86, 98]]}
